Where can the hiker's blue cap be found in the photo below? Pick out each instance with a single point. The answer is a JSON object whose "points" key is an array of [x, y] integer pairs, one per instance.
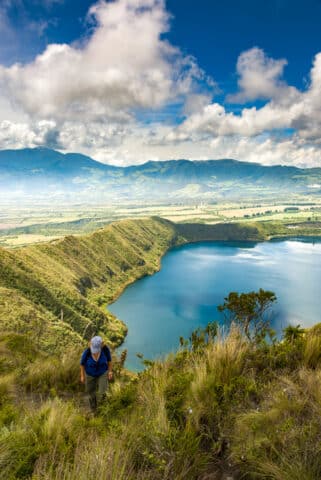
{"points": [[95, 344]]}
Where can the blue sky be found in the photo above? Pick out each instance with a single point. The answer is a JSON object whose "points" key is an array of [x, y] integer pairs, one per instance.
{"points": [[216, 32], [130, 80]]}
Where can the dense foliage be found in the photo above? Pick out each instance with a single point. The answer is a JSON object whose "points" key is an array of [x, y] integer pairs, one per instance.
{"points": [[219, 408]]}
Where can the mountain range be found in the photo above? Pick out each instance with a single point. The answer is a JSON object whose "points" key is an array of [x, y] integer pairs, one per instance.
{"points": [[43, 172]]}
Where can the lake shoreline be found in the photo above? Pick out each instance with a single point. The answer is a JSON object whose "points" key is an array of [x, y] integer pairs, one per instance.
{"points": [[67, 285], [243, 243], [281, 238]]}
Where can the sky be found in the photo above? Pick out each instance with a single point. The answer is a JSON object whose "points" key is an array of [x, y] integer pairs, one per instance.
{"points": [[127, 81]]}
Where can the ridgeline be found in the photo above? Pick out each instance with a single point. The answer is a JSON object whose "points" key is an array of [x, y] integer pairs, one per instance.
{"points": [[233, 408], [39, 171], [58, 291]]}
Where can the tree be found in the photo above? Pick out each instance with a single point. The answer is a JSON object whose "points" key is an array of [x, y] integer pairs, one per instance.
{"points": [[291, 333], [249, 311]]}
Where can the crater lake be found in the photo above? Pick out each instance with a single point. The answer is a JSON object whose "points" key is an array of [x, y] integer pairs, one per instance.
{"points": [[195, 278]]}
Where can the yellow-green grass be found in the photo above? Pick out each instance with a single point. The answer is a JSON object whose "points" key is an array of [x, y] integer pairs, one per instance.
{"points": [[229, 408], [68, 282]]}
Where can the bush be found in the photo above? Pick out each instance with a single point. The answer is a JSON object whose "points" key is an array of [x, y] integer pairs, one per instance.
{"points": [[282, 439], [120, 401], [53, 374], [51, 432], [312, 350], [176, 394]]}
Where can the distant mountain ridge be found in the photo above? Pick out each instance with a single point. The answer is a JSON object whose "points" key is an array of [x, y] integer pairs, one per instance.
{"points": [[42, 171]]}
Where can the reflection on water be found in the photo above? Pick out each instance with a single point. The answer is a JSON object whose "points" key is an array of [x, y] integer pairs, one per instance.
{"points": [[195, 278]]}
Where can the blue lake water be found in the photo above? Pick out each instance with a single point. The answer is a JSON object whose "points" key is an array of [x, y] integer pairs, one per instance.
{"points": [[195, 278]]}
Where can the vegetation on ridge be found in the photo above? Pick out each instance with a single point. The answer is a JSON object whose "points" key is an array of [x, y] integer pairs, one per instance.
{"points": [[63, 286], [58, 291], [219, 408]]}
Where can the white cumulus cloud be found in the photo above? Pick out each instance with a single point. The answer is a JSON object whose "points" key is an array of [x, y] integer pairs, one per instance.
{"points": [[92, 97], [297, 110], [122, 66], [259, 76]]}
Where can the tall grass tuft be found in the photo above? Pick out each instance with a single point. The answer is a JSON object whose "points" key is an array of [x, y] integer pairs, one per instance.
{"points": [[282, 439], [53, 374], [312, 350], [49, 432], [94, 457], [215, 374]]}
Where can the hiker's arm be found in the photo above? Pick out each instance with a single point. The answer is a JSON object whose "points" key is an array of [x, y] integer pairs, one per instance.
{"points": [[82, 374], [110, 370]]}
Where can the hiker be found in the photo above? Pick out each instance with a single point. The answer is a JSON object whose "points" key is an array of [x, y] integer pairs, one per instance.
{"points": [[96, 370]]}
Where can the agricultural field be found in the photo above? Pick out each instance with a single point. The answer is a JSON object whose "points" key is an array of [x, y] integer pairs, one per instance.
{"points": [[24, 226]]}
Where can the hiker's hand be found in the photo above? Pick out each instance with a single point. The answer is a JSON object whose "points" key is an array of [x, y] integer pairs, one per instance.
{"points": [[82, 379], [110, 375]]}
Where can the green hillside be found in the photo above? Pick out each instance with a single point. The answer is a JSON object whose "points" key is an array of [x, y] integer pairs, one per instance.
{"points": [[246, 231], [42, 172], [218, 409], [60, 289], [66, 284]]}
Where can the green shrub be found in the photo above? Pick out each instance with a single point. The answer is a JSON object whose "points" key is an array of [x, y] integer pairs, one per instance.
{"points": [[176, 395], [53, 432], [120, 401], [53, 373], [282, 439]]}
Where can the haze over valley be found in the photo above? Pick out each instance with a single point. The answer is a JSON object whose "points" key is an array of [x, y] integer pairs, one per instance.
{"points": [[32, 174], [46, 194]]}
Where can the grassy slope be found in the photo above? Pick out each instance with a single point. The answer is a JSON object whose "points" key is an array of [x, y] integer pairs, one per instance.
{"points": [[21, 315], [192, 232], [79, 275], [251, 231], [227, 409]]}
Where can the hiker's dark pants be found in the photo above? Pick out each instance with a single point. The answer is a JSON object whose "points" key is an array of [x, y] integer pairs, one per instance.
{"points": [[96, 387]]}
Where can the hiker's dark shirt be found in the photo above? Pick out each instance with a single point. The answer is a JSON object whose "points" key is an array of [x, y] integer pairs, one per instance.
{"points": [[93, 368]]}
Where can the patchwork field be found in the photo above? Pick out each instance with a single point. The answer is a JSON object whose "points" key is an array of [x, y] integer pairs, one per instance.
{"points": [[24, 226]]}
